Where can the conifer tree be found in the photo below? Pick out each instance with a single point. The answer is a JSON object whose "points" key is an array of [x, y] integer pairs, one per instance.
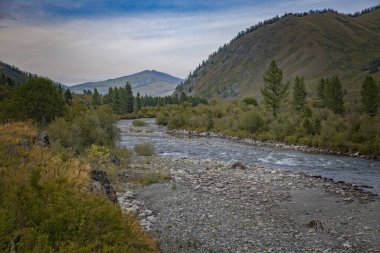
{"points": [[370, 96], [275, 91], [333, 95], [129, 98], [299, 94], [96, 99], [137, 106], [68, 97]]}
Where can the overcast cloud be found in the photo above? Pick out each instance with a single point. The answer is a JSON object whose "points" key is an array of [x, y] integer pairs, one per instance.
{"points": [[89, 46]]}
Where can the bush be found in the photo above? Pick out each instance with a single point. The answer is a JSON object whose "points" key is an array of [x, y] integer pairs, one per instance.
{"points": [[144, 149], [138, 123], [45, 205], [251, 122], [162, 118], [85, 128]]}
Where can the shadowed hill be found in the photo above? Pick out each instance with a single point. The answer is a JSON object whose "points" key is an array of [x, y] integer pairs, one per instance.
{"points": [[314, 45]]}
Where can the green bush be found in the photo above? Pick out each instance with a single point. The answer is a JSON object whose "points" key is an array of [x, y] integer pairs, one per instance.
{"points": [[162, 118], [85, 128], [144, 149], [138, 123], [251, 122]]}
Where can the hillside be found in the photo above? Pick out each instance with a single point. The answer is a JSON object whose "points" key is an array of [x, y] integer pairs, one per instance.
{"points": [[147, 82], [315, 45], [14, 73]]}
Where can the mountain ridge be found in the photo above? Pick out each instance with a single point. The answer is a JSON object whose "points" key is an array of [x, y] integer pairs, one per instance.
{"points": [[314, 45], [146, 82]]}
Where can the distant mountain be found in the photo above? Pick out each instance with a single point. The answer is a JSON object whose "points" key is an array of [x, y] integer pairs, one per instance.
{"points": [[147, 82], [315, 44]]}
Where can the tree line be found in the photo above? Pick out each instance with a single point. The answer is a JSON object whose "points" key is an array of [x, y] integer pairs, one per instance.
{"points": [[123, 101]]}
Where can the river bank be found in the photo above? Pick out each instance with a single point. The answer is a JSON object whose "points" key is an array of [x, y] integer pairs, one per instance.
{"points": [[210, 206], [273, 144]]}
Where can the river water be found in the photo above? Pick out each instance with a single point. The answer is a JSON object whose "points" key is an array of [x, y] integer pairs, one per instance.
{"points": [[349, 169]]}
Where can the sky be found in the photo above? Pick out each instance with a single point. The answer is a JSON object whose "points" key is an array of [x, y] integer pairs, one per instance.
{"points": [[76, 41]]}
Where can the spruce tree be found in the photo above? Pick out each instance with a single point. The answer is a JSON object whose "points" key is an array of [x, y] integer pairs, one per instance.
{"points": [[370, 96], [129, 98], [137, 106], [96, 99], [333, 95], [299, 94], [275, 91], [321, 90], [68, 97]]}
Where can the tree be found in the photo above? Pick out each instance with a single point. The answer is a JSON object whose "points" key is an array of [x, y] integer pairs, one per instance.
{"points": [[96, 99], [333, 95], [275, 91], [68, 97], [129, 98], [137, 102], [370, 93], [183, 98], [38, 99], [299, 94]]}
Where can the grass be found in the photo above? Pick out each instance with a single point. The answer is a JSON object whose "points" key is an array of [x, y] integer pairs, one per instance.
{"points": [[46, 205], [138, 123], [144, 149], [149, 177]]}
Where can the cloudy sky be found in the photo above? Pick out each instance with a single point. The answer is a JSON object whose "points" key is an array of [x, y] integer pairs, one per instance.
{"points": [[75, 41]]}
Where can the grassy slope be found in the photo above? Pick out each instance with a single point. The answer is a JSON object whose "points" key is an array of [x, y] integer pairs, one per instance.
{"points": [[315, 46]]}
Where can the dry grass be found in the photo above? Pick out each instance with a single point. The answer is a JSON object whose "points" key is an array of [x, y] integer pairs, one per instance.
{"points": [[144, 149]]}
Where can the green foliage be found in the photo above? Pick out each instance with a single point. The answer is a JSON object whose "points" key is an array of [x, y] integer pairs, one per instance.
{"points": [[252, 122], [333, 95], [250, 101], [138, 123], [137, 105], [96, 98], [144, 149], [45, 205], [370, 96], [128, 98], [38, 99], [150, 177], [275, 91], [81, 128], [68, 97], [299, 94]]}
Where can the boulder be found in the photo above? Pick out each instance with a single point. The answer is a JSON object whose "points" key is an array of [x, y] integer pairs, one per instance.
{"points": [[238, 165], [101, 185]]}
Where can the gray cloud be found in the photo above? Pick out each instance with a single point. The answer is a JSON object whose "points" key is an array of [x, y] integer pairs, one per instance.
{"points": [[82, 50]]}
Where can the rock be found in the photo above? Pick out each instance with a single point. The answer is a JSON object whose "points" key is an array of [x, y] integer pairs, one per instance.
{"points": [[114, 159], [101, 185], [43, 139], [346, 245], [238, 165], [348, 199]]}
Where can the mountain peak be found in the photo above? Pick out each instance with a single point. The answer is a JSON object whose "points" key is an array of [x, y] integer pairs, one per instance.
{"points": [[146, 82]]}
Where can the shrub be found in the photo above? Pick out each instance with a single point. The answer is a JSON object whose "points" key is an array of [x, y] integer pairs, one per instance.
{"points": [[144, 149], [138, 123], [251, 122], [45, 205], [85, 128], [162, 118]]}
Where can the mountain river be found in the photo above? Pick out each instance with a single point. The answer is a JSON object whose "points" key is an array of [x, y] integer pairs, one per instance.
{"points": [[349, 169]]}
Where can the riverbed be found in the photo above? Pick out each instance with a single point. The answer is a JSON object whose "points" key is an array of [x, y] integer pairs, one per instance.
{"points": [[340, 168]]}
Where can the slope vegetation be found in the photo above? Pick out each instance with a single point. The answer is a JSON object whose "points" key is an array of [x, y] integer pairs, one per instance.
{"points": [[314, 45]]}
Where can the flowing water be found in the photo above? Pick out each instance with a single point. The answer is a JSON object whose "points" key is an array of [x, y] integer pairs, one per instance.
{"points": [[349, 169]]}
